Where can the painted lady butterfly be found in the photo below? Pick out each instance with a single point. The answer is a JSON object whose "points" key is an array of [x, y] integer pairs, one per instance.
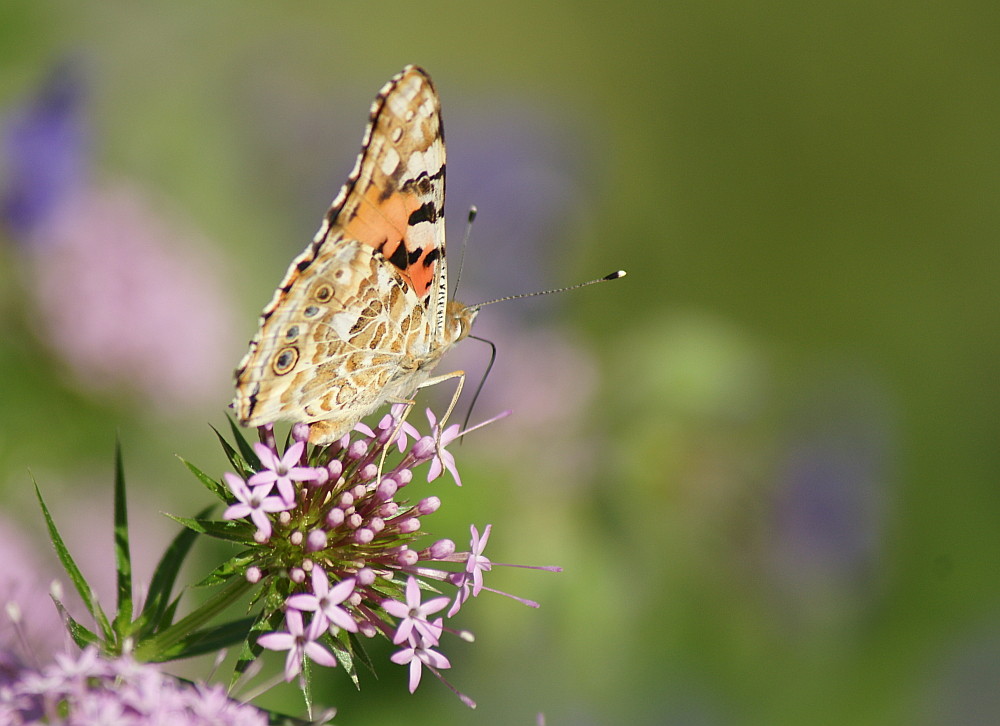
{"points": [[362, 315]]}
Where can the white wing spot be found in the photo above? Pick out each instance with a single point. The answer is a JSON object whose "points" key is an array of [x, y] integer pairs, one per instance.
{"points": [[397, 134], [390, 162]]}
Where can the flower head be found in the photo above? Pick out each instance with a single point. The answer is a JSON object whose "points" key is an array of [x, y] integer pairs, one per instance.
{"points": [[342, 544]]}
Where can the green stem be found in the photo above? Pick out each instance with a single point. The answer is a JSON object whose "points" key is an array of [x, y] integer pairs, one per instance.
{"points": [[151, 648]]}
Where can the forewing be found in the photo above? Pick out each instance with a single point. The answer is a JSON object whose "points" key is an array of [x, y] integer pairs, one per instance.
{"points": [[394, 197]]}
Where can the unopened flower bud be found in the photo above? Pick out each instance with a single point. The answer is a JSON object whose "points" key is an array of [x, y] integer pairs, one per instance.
{"points": [[408, 525], [300, 432], [366, 576], [407, 557], [387, 489], [316, 540], [441, 549], [428, 505], [335, 517], [424, 449]]}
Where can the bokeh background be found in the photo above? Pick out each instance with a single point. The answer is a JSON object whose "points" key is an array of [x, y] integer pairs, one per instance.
{"points": [[767, 459]]}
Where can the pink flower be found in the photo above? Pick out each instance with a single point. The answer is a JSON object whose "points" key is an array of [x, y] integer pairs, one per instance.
{"points": [[281, 471], [253, 504], [299, 642], [88, 689], [444, 459], [417, 656], [475, 566], [414, 625], [325, 601]]}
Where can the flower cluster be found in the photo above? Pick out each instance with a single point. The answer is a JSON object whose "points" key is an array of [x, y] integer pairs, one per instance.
{"points": [[88, 689], [333, 540]]}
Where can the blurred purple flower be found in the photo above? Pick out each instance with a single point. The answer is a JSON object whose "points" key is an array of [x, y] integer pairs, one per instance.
{"points": [[44, 146], [127, 295], [828, 514], [88, 689]]}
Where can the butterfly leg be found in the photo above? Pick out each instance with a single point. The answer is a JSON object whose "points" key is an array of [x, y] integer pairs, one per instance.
{"points": [[409, 403]]}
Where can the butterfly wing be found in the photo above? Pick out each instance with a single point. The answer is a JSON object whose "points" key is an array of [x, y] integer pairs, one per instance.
{"points": [[368, 297]]}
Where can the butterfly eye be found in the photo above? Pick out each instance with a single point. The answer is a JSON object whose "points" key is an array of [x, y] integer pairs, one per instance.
{"points": [[322, 293], [285, 360]]}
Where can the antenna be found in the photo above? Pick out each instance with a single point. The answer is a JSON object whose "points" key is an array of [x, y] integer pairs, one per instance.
{"points": [[612, 276], [473, 211], [493, 349]]}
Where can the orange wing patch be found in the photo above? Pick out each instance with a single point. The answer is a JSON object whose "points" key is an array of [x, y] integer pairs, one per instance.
{"points": [[395, 226]]}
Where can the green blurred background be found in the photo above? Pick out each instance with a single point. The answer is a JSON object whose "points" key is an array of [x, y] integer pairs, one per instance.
{"points": [[767, 459]]}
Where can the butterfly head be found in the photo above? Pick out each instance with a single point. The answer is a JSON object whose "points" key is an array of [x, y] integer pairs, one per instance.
{"points": [[458, 320]]}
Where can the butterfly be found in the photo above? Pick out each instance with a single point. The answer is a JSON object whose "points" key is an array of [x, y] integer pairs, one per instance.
{"points": [[362, 316]]}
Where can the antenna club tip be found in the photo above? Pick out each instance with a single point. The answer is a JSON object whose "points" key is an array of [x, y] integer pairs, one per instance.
{"points": [[615, 275], [473, 211]]}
